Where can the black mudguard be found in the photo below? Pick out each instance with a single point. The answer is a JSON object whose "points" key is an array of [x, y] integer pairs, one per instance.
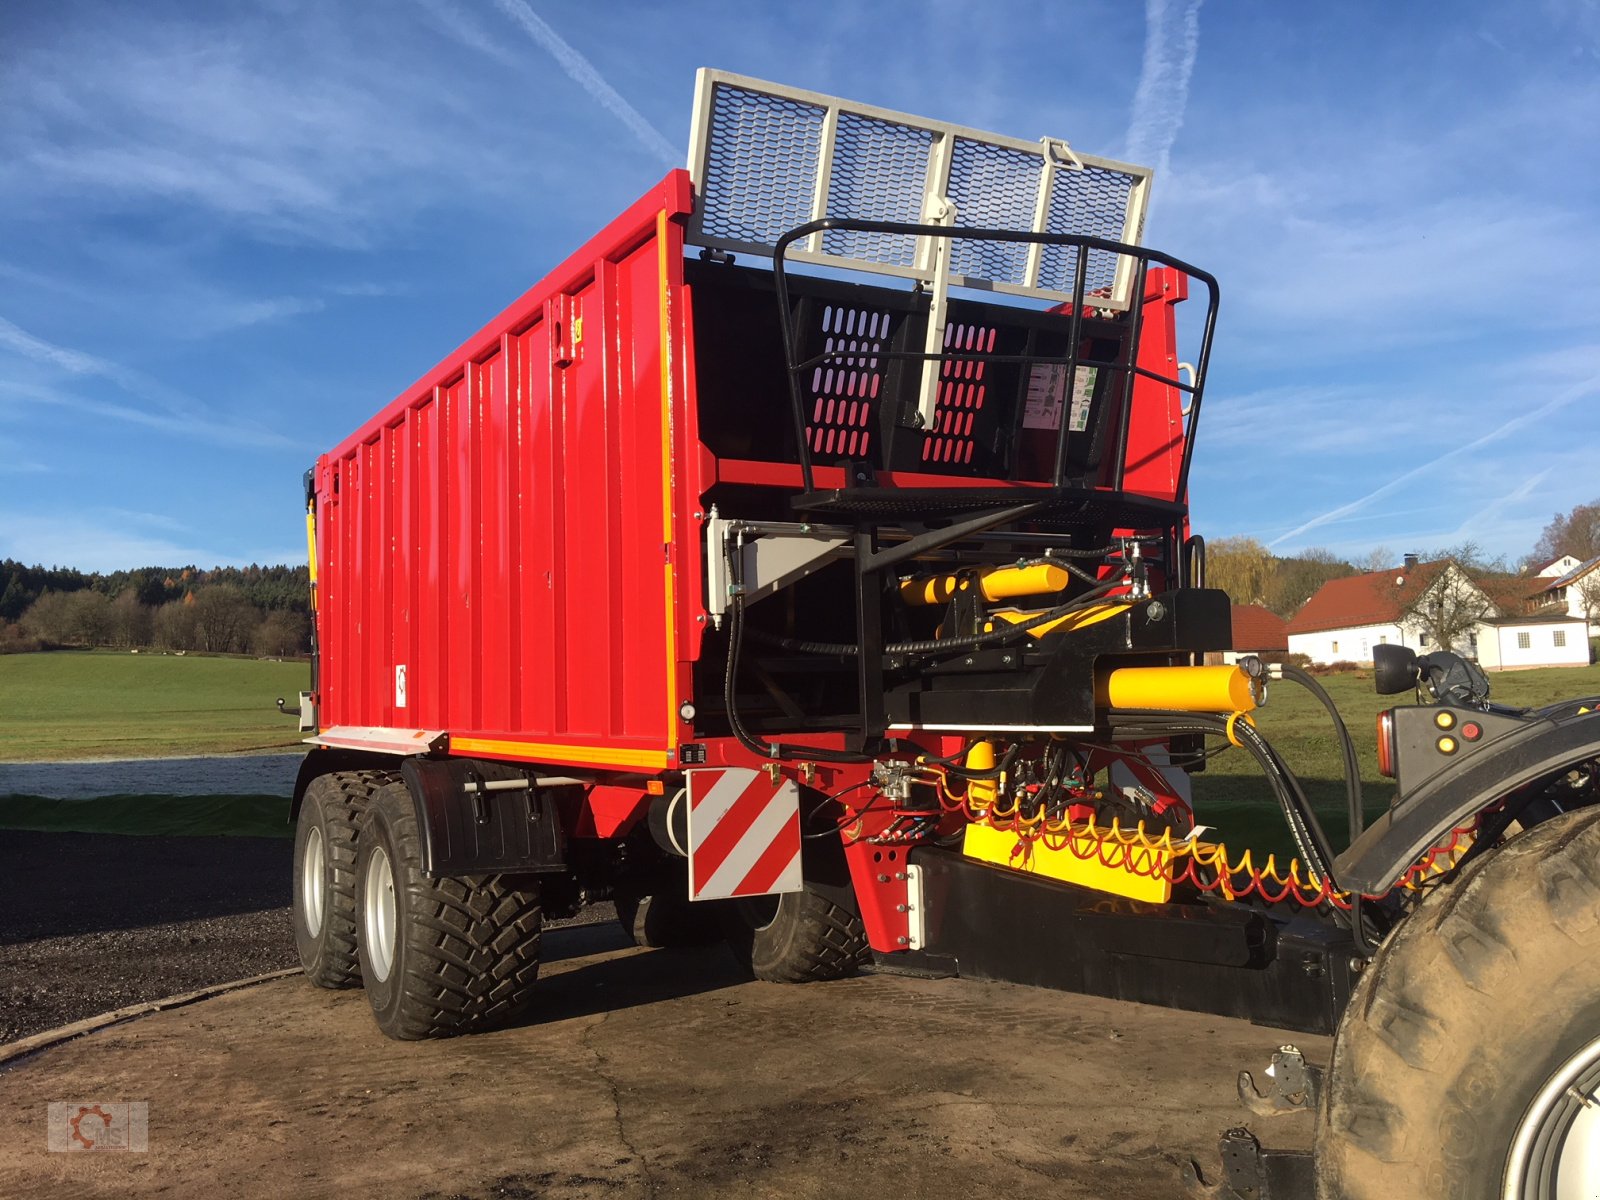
{"points": [[1543, 748]]}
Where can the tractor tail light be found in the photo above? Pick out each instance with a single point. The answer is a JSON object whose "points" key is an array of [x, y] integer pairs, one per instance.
{"points": [[1386, 743]]}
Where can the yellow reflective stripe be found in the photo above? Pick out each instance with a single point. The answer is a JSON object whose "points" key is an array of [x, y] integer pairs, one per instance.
{"points": [[539, 751]]}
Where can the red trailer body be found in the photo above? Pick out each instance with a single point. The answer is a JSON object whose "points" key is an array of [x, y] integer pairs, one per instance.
{"points": [[506, 553], [509, 555]]}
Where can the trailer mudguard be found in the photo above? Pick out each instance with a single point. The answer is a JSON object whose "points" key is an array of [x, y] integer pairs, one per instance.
{"points": [[466, 829], [1544, 748], [326, 760]]}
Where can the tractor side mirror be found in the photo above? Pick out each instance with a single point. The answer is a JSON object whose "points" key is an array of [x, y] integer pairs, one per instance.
{"points": [[1394, 669]]}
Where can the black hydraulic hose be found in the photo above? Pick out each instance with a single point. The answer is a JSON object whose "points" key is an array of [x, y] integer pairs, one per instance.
{"points": [[773, 750], [1352, 761], [1307, 833]]}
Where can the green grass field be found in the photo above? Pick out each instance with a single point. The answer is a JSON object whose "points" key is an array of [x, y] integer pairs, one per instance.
{"points": [[1232, 795], [69, 704]]}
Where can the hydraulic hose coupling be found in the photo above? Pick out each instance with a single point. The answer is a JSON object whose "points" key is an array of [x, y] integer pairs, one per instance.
{"points": [[1183, 689]]}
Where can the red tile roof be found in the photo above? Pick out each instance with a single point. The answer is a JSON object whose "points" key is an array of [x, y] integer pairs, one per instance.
{"points": [[1257, 628], [1378, 598]]}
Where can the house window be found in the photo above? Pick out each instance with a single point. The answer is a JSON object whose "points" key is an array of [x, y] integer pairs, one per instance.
{"points": [[1561, 637], [1423, 641], [1336, 647], [1524, 640], [1383, 639]]}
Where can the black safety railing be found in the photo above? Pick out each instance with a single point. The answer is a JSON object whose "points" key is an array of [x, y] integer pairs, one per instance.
{"points": [[1124, 372]]}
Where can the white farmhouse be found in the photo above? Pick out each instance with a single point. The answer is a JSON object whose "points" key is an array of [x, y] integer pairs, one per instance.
{"points": [[1347, 617]]}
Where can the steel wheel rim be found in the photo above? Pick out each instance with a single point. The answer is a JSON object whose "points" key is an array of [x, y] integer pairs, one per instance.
{"points": [[313, 881], [378, 914], [1555, 1154]]}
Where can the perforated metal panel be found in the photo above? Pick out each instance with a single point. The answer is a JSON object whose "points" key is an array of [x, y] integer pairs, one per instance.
{"points": [[766, 159], [844, 394]]}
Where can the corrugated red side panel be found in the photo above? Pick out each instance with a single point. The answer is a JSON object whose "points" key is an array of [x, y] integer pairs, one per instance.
{"points": [[511, 531]]}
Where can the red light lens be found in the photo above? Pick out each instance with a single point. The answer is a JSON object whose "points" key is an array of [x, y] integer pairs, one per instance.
{"points": [[1386, 743], [1472, 731]]}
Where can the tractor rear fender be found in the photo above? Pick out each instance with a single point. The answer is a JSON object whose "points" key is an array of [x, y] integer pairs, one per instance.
{"points": [[1544, 748]]}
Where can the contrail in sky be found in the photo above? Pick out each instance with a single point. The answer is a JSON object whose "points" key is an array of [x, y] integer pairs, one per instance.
{"points": [[1495, 507], [1577, 391], [583, 73], [1171, 43]]}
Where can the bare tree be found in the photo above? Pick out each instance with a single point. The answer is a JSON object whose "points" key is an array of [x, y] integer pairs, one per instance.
{"points": [[281, 633], [1576, 533], [175, 626], [1380, 559], [224, 618], [1448, 608], [1587, 592]]}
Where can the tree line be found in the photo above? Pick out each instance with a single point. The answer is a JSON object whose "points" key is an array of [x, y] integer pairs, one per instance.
{"points": [[226, 610], [1251, 574]]}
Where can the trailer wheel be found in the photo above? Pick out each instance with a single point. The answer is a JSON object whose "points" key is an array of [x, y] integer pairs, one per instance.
{"points": [[324, 907], [666, 919], [1468, 1062], [796, 937], [439, 956]]}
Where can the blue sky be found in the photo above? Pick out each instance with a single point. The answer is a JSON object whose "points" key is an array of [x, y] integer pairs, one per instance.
{"points": [[231, 231]]}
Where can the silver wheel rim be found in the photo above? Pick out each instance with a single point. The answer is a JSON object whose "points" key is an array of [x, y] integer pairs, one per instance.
{"points": [[1555, 1154], [378, 914], [313, 881]]}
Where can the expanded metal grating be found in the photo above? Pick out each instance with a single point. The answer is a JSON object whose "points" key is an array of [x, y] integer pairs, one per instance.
{"points": [[760, 171], [766, 159]]}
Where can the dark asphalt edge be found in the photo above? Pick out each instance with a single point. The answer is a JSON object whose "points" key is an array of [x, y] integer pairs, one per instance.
{"points": [[12, 1053]]}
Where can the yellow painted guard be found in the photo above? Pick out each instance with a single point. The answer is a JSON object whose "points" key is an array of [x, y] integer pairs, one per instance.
{"points": [[987, 844]]}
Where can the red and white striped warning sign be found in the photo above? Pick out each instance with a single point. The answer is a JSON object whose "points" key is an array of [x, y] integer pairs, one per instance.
{"points": [[744, 833]]}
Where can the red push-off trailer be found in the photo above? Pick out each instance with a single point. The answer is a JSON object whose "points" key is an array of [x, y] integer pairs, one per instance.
{"points": [[843, 606]]}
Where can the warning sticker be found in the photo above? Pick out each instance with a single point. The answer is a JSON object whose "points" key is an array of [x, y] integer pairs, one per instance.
{"points": [[1047, 389]]}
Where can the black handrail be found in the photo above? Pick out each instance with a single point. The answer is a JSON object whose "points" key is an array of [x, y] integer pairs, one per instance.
{"points": [[1084, 245]]}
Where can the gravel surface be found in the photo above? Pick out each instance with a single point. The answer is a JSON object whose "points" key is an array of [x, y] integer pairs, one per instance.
{"points": [[92, 922], [227, 775]]}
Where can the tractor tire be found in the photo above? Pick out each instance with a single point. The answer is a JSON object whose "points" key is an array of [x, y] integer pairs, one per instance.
{"points": [[324, 906], [667, 920], [796, 937], [439, 956], [1467, 1062]]}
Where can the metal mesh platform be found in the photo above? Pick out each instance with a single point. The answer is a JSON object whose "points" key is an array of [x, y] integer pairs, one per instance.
{"points": [[767, 158]]}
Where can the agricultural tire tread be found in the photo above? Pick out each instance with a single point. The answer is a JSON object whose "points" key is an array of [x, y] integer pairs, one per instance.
{"points": [[334, 803], [804, 938], [466, 948], [1476, 999]]}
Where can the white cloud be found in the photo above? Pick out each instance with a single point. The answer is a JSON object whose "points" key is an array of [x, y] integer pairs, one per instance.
{"points": [[1171, 45]]}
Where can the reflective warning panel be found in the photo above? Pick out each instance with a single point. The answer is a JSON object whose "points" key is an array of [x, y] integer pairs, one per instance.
{"points": [[766, 158], [744, 833]]}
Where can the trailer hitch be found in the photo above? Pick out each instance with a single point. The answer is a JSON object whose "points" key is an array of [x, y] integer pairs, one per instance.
{"points": [[1295, 1085], [1251, 1173]]}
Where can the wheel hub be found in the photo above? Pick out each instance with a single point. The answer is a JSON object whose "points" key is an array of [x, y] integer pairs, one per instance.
{"points": [[313, 871], [1555, 1154], [378, 914]]}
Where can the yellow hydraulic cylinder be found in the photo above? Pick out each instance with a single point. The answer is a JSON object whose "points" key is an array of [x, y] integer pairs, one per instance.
{"points": [[981, 793], [1184, 689], [996, 583]]}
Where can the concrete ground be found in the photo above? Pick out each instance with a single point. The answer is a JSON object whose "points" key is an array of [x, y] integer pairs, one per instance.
{"points": [[653, 1073]]}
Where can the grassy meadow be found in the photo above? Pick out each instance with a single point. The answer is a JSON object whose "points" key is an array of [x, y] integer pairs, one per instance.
{"points": [[73, 704]]}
